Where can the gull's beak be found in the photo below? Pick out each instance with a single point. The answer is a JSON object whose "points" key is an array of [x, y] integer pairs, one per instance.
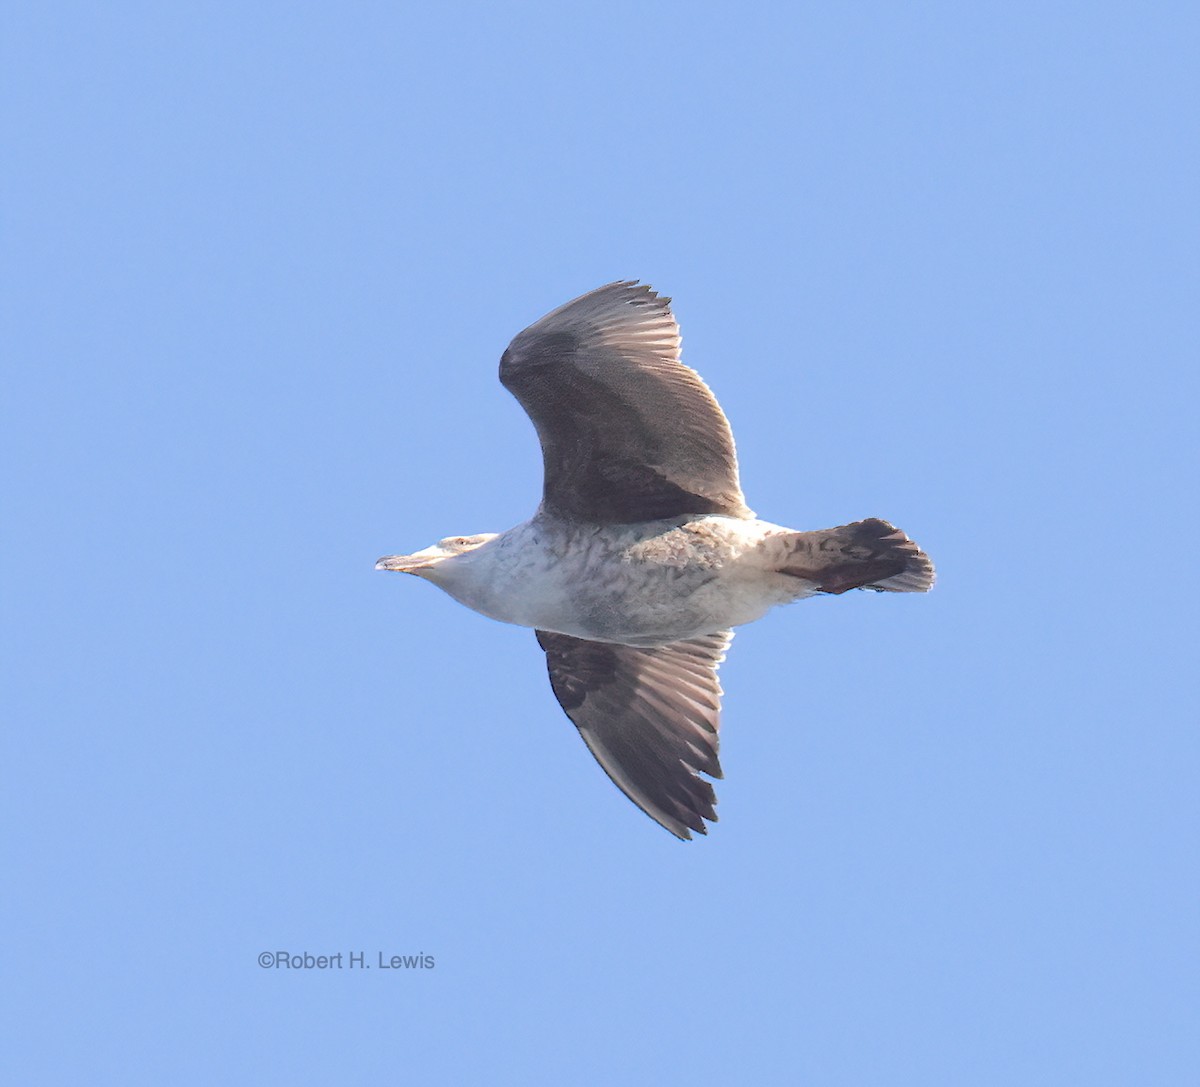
{"points": [[407, 564]]}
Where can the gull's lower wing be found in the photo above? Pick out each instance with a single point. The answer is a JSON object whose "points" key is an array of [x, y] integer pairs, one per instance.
{"points": [[650, 716], [628, 433]]}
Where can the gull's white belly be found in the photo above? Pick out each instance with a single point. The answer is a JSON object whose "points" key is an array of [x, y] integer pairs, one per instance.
{"points": [[637, 584]]}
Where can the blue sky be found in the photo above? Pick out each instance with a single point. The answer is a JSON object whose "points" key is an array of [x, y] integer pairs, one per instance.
{"points": [[939, 264]]}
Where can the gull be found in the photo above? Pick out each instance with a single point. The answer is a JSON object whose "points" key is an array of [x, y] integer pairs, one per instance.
{"points": [[643, 554]]}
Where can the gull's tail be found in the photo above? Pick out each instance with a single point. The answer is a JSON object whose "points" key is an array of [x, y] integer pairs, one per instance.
{"points": [[868, 554]]}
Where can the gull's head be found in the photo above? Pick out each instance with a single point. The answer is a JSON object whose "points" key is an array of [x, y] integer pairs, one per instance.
{"points": [[432, 561]]}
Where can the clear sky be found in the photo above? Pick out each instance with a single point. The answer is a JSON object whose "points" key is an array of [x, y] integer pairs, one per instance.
{"points": [[938, 262]]}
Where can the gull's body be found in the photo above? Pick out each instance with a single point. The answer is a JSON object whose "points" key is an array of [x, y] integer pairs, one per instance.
{"points": [[643, 554], [645, 585]]}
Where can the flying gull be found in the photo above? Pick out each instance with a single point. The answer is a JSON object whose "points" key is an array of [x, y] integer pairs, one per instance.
{"points": [[643, 554]]}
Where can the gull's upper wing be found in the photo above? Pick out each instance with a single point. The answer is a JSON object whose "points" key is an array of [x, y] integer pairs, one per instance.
{"points": [[650, 716], [628, 432]]}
